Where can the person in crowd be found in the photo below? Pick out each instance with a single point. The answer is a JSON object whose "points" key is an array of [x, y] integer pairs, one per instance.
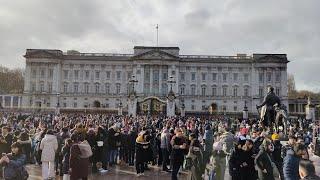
{"points": [[113, 144], [208, 142], [247, 169], [6, 139], [48, 146], [141, 149], [276, 154], [164, 144], [235, 160], [179, 148], [288, 148], [291, 162], [307, 170], [195, 157], [131, 146], [78, 164], [65, 158], [25, 141], [14, 164], [264, 162]]}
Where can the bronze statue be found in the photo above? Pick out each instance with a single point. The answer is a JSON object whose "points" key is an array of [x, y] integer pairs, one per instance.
{"points": [[268, 111]]}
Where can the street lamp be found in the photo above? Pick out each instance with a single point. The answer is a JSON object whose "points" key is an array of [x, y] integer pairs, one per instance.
{"points": [[171, 81], [58, 103], [133, 81]]}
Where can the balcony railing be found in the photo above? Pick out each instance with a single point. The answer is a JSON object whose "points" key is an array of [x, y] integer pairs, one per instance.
{"points": [[214, 57], [98, 54]]}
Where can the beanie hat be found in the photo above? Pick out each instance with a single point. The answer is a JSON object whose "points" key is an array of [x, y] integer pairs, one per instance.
{"points": [[275, 136]]}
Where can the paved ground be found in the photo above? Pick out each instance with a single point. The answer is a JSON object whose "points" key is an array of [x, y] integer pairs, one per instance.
{"points": [[123, 173], [128, 173]]}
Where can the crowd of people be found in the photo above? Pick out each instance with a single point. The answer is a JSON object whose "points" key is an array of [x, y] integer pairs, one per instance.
{"points": [[74, 145]]}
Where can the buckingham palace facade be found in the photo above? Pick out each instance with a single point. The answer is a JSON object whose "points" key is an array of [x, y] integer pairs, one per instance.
{"points": [[75, 80]]}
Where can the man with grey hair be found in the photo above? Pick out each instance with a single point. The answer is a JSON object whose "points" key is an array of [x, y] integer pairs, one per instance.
{"points": [[307, 170]]}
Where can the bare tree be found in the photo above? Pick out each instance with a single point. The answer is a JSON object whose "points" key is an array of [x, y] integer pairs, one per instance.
{"points": [[12, 80]]}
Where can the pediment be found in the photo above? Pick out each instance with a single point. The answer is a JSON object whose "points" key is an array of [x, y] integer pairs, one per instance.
{"points": [[155, 55], [40, 53]]}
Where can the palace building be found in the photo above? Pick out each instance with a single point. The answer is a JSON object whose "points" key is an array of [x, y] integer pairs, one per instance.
{"points": [[200, 83]]}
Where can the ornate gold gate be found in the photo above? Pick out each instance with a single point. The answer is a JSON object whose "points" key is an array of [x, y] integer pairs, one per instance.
{"points": [[152, 106]]}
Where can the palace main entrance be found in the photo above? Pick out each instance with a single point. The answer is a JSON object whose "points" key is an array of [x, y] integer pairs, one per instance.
{"points": [[152, 106]]}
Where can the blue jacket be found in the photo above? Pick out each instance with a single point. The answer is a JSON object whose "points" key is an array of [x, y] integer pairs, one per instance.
{"points": [[291, 167], [15, 165]]}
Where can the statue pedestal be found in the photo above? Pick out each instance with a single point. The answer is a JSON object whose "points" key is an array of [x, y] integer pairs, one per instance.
{"points": [[171, 108], [132, 107], [183, 113], [120, 111], [310, 113]]}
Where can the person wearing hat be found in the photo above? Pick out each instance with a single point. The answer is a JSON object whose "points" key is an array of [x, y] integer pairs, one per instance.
{"points": [[276, 154], [264, 162]]}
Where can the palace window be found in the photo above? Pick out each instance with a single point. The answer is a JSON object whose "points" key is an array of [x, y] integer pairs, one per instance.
{"points": [[269, 76], [204, 76], [193, 90], [118, 75], [97, 75], [86, 88], [65, 87], [224, 77], [182, 76], [65, 72], [235, 77], [182, 89], [214, 76], [261, 79], [224, 91], [87, 74], [107, 75], [107, 88], [50, 73], [214, 91], [246, 91], [246, 77], [76, 74], [76, 87], [97, 88], [278, 76], [41, 87], [235, 91], [50, 87], [193, 76], [203, 91], [260, 92], [118, 87], [34, 73], [42, 73]]}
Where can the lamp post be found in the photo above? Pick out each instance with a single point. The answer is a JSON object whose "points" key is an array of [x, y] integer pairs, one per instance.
{"points": [[133, 81], [245, 111], [58, 104], [120, 109], [171, 81], [183, 113]]}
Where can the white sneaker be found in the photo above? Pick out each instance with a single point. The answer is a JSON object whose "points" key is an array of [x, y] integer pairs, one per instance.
{"points": [[101, 170]]}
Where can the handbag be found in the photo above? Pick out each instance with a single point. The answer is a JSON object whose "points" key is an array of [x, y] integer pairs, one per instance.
{"points": [[85, 149]]}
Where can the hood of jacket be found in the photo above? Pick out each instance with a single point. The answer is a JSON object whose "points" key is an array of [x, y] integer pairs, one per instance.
{"points": [[49, 138]]}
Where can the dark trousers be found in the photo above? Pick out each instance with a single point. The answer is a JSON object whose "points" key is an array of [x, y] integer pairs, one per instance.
{"points": [[175, 169], [140, 167], [165, 158], [131, 156]]}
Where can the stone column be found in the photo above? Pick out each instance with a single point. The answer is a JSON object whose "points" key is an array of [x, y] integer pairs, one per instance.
{"points": [[19, 101], [310, 111], [151, 80], [3, 101], [11, 101]]}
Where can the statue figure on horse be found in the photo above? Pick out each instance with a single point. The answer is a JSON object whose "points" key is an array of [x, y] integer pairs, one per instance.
{"points": [[268, 111]]}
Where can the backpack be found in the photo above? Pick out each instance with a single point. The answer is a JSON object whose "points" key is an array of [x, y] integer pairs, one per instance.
{"points": [[85, 149]]}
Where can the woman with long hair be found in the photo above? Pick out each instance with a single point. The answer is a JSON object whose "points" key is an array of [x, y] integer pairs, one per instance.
{"points": [[14, 164]]}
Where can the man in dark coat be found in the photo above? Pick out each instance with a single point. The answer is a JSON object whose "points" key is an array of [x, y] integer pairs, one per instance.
{"points": [[291, 163], [6, 140]]}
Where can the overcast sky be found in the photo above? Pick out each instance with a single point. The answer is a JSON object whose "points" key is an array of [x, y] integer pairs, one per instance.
{"points": [[209, 27]]}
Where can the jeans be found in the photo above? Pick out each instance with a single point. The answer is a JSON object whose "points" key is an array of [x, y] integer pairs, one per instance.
{"points": [[113, 153], [175, 170], [165, 158]]}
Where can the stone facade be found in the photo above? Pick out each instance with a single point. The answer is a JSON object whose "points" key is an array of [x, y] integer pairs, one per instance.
{"points": [[88, 80]]}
